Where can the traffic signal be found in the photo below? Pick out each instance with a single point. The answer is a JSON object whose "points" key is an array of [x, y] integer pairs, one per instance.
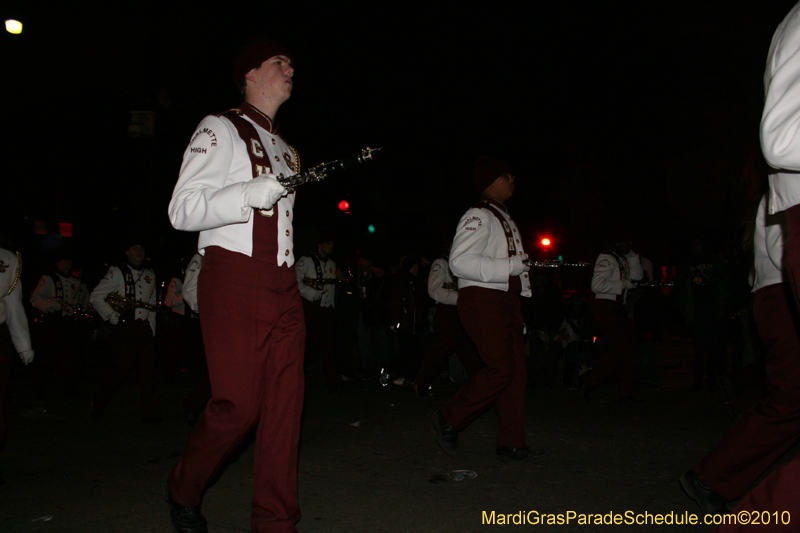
{"points": [[344, 205], [546, 242]]}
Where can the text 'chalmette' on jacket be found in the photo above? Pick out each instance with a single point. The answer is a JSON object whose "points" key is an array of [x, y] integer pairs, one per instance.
{"points": [[479, 256], [208, 195]]}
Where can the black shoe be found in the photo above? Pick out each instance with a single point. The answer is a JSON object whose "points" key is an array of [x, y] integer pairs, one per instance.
{"points": [[509, 452], [708, 500], [445, 434], [186, 519]]}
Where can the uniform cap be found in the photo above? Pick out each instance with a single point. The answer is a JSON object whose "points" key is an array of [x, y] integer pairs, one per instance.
{"points": [[254, 52]]}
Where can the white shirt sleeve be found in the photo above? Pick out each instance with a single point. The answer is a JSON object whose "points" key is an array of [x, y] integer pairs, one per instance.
{"points": [[780, 122], [437, 277], [204, 197], [467, 259]]}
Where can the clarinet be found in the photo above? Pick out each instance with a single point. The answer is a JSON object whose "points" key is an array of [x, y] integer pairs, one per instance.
{"points": [[320, 172], [553, 264]]}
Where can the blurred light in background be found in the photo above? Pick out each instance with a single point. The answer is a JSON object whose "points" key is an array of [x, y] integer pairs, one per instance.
{"points": [[13, 26]]}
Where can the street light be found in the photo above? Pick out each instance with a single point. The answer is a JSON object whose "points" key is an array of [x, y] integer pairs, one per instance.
{"points": [[13, 26]]}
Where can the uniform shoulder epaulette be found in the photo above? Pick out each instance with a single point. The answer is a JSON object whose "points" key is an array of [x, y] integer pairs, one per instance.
{"points": [[17, 274]]}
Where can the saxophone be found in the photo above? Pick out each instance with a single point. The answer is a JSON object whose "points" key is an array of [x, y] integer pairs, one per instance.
{"points": [[126, 305]]}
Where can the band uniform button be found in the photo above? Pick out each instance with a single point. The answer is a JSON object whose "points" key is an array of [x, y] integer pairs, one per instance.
{"points": [[278, 159], [280, 175], [287, 232], [286, 253], [273, 140], [287, 212]]}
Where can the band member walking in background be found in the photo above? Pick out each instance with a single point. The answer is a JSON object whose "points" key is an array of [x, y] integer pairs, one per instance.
{"points": [[489, 260]]}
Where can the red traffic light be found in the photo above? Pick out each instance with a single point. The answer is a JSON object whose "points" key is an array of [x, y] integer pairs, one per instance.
{"points": [[546, 242], [344, 205]]}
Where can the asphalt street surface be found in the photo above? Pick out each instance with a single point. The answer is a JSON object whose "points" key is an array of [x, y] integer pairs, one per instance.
{"points": [[369, 461]]}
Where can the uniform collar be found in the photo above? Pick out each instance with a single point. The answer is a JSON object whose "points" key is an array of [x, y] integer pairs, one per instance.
{"points": [[251, 112], [499, 205]]}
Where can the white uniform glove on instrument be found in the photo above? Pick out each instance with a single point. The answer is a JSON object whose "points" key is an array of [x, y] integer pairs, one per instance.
{"points": [[516, 265], [262, 192], [629, 284], [26, 356], [114, 318]]}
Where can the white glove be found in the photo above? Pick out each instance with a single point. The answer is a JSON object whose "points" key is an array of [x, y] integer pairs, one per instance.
{"points": [[629, 284], [114, 318], [262, 192], [26, 356], [516, 265]]}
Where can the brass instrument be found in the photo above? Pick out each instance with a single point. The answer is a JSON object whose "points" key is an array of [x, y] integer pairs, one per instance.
{"points": [[320, 172], [653, 284], [554, 264], [123, 304], [319, 283]]}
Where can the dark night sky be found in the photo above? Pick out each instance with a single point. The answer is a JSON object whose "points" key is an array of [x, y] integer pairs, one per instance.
{"points": [[616, 110]]}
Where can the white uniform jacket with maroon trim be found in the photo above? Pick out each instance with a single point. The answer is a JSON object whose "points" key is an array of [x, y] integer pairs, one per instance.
{"points": [[145, 281], [45, 297], [208, 195], [305, 268], [440, 274], [608, 280], [479, 256], [11, 309]]}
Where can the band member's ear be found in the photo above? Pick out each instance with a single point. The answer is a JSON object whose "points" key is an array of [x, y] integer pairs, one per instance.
{"points": [[250, 75]]}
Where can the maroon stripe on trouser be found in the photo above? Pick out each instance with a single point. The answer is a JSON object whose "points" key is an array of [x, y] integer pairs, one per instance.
{"points": [[764, 432], [619, 361], [772, 506], [493, 321], [448, 337], [321, 339], [791, 250], [254, 334]]}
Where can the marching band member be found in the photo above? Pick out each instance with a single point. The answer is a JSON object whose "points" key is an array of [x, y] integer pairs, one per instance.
{"points": [[12, 314], [614, 273], [57, 297], [251, 311], [489, 260], [448, 332], [132, 333], [318, 308]]}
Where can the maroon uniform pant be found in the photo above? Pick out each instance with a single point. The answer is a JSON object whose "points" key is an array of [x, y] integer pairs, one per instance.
{"points": [[252, 319], [764, 432], [493, 320], [448, 337], [619, 361], [7, 352], [131, 346], [772, 506], [321, 339]]}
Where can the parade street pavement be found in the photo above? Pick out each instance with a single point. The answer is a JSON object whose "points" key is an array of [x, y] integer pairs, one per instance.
{"points": [[369, 461]]}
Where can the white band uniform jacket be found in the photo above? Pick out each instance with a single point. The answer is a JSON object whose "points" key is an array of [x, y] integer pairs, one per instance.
{"points": [[767, 249], [190, 281], [305, 268], [11, 309], [479, 256], [208, 195], [115, 282], [607, 280], [438, 276], [780, 122], [44, 295]]}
